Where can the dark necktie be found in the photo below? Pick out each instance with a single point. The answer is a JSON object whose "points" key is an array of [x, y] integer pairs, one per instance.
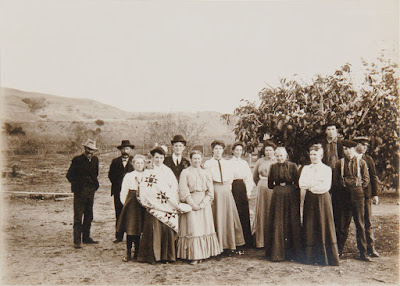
{"points": [[220, 170]]}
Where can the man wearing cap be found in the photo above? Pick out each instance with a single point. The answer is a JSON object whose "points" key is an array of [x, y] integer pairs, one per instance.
{"points": [[350, 177], [176, 162], [118, 168], [370, 192], [82, 174]]}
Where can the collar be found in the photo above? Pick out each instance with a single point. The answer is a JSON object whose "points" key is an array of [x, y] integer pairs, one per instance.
{"points": [[334, 140], [236, 159], [175, 157]]}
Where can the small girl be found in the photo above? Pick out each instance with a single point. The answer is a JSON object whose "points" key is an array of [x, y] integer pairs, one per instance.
{"points": [[131, 219]]}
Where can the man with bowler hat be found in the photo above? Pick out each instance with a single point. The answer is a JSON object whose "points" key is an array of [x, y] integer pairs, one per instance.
{"points": [[118, 168], [350, 178], [332, 145], [371, 192], [333, 152], [82, 174], [176, 162]]}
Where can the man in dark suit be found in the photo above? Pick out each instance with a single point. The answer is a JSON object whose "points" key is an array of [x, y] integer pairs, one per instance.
{"points": [[82, 174], [176, 162], [350, 177], [370, 192], [333, 152], [332, 145], [118, 168]]}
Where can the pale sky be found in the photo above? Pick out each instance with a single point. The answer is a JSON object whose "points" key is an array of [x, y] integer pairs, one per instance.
{"points": [[184, 55]]}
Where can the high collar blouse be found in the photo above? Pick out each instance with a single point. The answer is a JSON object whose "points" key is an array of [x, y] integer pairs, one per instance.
{"points": [[283, 173], [226, 168], [194, 180], [316, 178], [241, 171], [261, 168], [130, 182]]}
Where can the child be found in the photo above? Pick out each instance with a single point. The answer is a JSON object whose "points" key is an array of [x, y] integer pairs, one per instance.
{"points": [[131, 219]]}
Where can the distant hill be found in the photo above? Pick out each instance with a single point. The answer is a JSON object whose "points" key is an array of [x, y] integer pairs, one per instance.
{"points": [[22, 106], [56, 117]]}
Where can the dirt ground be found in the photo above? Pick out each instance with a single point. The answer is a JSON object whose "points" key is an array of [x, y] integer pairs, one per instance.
{"points": [[36, 245]]}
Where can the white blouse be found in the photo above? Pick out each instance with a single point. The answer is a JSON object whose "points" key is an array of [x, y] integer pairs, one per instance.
{"points": [[242, 171], [130, 182], [316, 178], [226, 167]]}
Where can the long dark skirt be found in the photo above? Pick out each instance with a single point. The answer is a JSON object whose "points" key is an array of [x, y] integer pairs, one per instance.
{"points": [[283, 241], [132, 216], [319, 230], [240, 195], [158, 241]]}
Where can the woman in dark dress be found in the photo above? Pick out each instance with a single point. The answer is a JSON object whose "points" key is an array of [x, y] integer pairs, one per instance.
{"points": [[241, 189], [158, 241], [283, 241], [318, 225], [131, 218]]}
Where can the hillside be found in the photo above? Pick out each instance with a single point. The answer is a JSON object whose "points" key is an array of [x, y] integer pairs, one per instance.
{"points": [[24, 106]]}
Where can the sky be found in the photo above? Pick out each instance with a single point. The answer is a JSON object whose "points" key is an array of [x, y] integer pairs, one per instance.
{"points": [[184, 55]]}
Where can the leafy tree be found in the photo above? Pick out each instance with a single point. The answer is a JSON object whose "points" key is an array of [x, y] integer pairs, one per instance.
{"points": [[293, 114], [35, 104]]}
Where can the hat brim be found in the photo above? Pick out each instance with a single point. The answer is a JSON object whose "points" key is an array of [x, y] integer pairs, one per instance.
{"points": [[122, 146], [176, 141], [90, 147]]}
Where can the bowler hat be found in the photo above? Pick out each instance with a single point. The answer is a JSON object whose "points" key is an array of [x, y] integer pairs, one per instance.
{"points": [[331, 123], [349, 143], [218, 142], [91, 144], [125, 143], [178, 138], [361, 139]]}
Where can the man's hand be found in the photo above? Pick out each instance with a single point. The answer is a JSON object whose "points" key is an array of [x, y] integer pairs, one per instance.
{"points": [[375, 200]]}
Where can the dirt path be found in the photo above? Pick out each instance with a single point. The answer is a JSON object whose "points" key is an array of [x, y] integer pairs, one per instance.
{"points": [[39, 250]]}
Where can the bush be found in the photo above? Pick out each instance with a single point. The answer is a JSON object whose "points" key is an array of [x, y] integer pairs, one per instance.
{"points": [[294, 113], [35, 104], [13, 130], [99, 122]]}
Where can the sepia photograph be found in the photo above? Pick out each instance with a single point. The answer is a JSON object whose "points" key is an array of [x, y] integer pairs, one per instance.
{"points": [[208, 142]]}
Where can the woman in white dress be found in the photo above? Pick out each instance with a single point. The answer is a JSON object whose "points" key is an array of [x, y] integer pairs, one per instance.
{"points": [[241, 189], [226, 217], [264, 193], [197, 238]]}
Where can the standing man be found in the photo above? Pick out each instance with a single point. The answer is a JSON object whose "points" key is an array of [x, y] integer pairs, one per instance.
{"points": [[118, 168], [333, 152], [332, 145], [350, 177], [370, 192], [176, 162], [82, 174]]}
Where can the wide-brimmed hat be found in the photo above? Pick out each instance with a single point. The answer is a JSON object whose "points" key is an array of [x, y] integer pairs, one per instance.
{"points": [[218, 142], [349, 143], [331, 123], [237, 143], [178, 138], [91, 144], [125, 143], [361, 139]]}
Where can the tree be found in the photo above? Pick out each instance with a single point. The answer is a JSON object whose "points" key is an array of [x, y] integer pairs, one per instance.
{"points": [[293, 114], [163, 129], [35, 104]]}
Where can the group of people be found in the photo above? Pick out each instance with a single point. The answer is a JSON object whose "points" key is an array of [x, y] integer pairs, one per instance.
{"points": [[178, 208]]}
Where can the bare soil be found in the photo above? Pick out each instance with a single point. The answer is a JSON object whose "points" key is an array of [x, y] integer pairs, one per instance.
{"points": [[37, 242]]}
